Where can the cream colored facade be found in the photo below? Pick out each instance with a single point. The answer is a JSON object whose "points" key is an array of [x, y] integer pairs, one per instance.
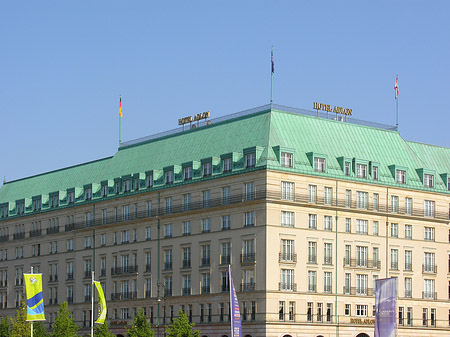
{"points": [[282, 261]]}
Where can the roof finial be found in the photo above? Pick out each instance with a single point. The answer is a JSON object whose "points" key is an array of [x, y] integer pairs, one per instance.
{"points": [[4, 179]]}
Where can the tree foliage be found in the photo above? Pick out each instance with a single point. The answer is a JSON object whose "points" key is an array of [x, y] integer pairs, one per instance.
{"points": [[39, 330], [64, 325], [4, 327], [19, 326], [181, 327], [140, 326], [102, 330]]}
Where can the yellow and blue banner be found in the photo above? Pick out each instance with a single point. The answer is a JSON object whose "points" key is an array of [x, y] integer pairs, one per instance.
{"points": [[101, 304], [35, 299]]}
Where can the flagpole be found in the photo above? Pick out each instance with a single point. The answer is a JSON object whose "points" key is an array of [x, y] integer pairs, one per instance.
{"points": [[120, 120], [271, 79], [231, 297], [31, 323], [397, 114], [396, 98], [92, 304]]}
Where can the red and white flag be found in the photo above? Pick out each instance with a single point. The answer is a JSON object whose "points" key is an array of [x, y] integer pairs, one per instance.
{"points": [[396, 87]]}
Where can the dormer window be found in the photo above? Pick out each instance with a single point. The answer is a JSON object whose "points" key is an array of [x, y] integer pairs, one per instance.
{"points": [[448, 184], [104, 190], [227, 165], [400, 176], [127, 185], [250, 160], [347, 168], [117, 187], [286, 159], [4, 211], [88, 193], [149, 180], [361, 171], [168, 177], [187, 173], [375, 173], [319, 164], [54, 201], [136, 183], [20, 208], [36, 205], [428, 180], [207, 169], [71, 197]]}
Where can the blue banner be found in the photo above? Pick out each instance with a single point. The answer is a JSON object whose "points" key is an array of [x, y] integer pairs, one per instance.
{"points": [[386, 307], [236, 328]]}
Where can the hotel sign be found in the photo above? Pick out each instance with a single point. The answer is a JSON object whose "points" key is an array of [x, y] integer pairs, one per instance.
{"points": [[190, 119], [336, 109]]}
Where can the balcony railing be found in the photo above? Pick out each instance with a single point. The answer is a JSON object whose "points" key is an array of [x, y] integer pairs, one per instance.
{"points": [[362, 263], [4, 238], [87, 274], [248, 258], [35, 232], [53, 278], [186, 263], [312, 258], [186, 291], [429, 268], [206, 289], [327, 260], [429, 295], [408, 266], [358, 291], [287, 286], [69, 276], [126, 295], [148, 294], [225, 259], [70, 300], [102, 272], [167, 265], [87, 298], [248, 286], [205, 262], [18, 236], [52, 230], [287, 257], [124, 270], [408, 293], [225, 287], [148, 268]]}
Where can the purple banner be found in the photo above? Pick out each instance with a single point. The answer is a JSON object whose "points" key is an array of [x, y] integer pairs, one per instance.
{"points": [[236, 328], [386, 307]]}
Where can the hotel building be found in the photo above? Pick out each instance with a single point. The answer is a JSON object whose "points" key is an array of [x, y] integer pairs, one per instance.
{"points": [[308, 209]]}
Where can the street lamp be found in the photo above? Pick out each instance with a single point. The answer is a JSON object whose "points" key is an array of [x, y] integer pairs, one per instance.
{"points": [[159, 298]]}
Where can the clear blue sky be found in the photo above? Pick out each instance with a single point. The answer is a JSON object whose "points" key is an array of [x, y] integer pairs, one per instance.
{"points": [[65, 63]]}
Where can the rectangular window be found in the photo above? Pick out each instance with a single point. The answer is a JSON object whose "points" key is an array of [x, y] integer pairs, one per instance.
{"points": [[328, 248], [362, 200], [408, 231], [312, 221], [425, 317], [361, 256], [187, 171], [327, 223], [226, 195], [206, 225], [348, 225], [361, 310], [149, 180], [186, 227], [312, 193], [394, 204], [88, 193], [409, 316], [309, 312], [347, 310], [249, 190], [319, 164], [207, 169], [347, 168], [348, 283], [375, 228], [376, 199], [291, 311], [394, 230], [361, 226], [186, 202], [286, 159], [361, 171], [287, 250], [287, 191], [394, 259], [408, 260], [375, 173], [168, 177], [428, 180], [169, 205], [348, 255], [328, 195], [281, 310], [168, 230], [361, 284], [429, 234], [249, 219], [227, 165], [429, 263], [348, 198], [312, 252], [327, 282], [287, 219], [400, 176], [429, 207], [312, 283], [408, 206], [226, 222], [250, 160], [408, 287], [125, 236], [127, 185], [287, 279]]}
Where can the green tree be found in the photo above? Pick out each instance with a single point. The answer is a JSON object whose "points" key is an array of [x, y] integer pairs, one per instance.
{"points": [[140, 326], [64, 325], [102, 330], [4, 327], [19, 326], [181, 327], [39, 330]]}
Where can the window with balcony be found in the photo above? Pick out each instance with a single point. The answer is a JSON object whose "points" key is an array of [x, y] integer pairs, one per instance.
{"points": [[312, 281], [328, 195], [312, 252], [429, 207], [287, 250], [287, 280]]}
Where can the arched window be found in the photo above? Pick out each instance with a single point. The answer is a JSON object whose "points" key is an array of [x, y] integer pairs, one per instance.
{"points": [[362, 334], [248, 336]]}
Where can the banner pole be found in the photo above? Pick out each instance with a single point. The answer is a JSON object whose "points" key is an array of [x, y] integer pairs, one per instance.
{"points": [[92, 305], [31, 323]]}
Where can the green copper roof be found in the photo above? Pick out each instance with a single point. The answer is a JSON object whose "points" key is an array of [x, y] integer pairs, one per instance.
{"points": [[266, 131]]}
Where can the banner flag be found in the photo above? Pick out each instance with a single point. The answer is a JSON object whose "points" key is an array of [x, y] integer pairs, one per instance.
{"points": [[35, 299], [101, 304], [236, 328], [120, 107], [386, 307]]}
